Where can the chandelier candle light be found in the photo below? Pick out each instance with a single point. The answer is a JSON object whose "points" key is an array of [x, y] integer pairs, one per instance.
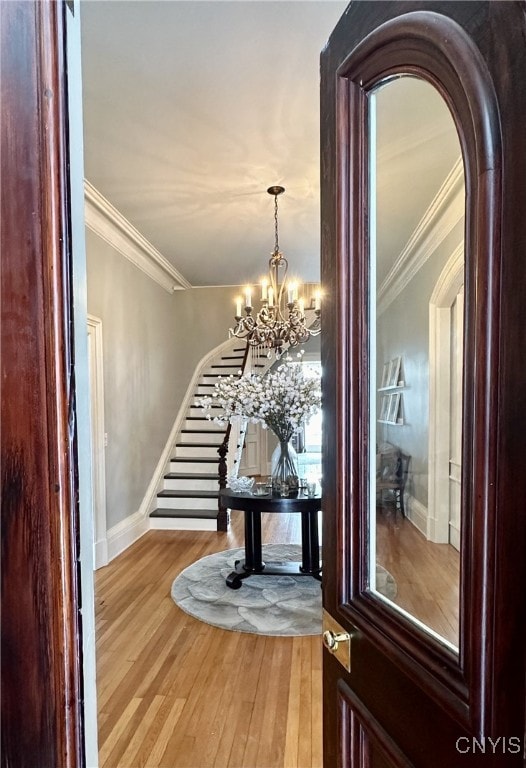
{"points": [[281, 319]]}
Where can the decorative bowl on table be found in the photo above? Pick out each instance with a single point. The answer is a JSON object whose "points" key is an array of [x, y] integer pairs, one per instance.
{"points": [[240, 484]]}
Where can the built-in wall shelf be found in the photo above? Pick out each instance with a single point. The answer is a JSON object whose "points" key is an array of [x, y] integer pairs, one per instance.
{"points": [[391, 402]]}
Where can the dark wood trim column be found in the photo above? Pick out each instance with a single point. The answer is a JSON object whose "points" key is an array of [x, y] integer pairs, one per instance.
{"points": [[41, 650]]}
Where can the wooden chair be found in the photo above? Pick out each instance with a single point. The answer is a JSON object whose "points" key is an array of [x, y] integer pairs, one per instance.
{"points": [[391, 477]]}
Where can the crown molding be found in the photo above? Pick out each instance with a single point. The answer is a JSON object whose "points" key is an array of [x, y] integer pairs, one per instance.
{"points": [[110, 225], [450, 280], [446, 210]]}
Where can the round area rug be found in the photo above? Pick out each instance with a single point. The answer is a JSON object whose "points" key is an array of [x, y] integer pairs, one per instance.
{"points": [[264, 605]]}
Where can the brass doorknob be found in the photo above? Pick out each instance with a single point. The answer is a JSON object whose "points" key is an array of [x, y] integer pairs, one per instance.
{"points": [[337, 640], [332, 639]]}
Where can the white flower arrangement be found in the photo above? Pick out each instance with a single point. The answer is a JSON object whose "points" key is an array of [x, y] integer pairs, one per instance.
{"points": [[282, 399]]}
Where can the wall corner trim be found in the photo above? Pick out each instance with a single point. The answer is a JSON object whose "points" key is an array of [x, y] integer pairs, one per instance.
{"points": [[125, 533], [111, 226], [416, 513], [445, 211]]}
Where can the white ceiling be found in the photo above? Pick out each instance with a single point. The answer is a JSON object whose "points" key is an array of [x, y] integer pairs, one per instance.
{"points": [[417, 146], [192, 109]]}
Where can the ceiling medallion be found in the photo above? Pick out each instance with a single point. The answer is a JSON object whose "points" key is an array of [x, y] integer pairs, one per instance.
{"points": [[281, 321]]}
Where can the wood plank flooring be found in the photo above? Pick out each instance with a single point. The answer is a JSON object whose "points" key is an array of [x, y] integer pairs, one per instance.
{"points": [[426, 574], [176, 693]]}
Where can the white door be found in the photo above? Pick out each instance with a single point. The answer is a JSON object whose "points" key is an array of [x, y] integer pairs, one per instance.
{"points": [[254, 455], [455, 415]]}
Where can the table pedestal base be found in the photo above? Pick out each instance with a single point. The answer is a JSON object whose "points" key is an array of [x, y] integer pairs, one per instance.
{"points": [[285, 568], [253, 563]]}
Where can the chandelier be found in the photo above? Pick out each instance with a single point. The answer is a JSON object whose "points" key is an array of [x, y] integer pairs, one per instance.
{"points": [[281, 320]]}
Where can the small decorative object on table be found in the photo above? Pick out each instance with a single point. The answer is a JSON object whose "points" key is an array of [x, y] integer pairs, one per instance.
{"points": [[284, 489], [311, 490], [281, 400], [240, 484]]}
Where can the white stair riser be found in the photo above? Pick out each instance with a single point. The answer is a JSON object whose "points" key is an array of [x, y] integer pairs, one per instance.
{"points": [[196, 410], [211, 377], [202, 437], [202, 424], [182, 524], [189, 484], [202, 391], [197, 467], [189, 452], [181, 503]]}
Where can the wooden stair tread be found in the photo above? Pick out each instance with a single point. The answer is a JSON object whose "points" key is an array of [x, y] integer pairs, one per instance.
{"points": [[203, 431], [190, 460], [191, 476], [197, 445], [197, 514], [188, 494]]}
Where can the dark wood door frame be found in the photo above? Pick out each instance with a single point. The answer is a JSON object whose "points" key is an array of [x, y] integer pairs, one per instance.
{"points": [[42, 721], [474, 53]]}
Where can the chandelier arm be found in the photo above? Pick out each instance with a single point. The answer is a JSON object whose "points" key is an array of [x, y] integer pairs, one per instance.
{"points": [[282, 286], [273, 273]]}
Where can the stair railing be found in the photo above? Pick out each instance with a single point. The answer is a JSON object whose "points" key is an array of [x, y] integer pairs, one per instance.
{"points": [[223, 451]]}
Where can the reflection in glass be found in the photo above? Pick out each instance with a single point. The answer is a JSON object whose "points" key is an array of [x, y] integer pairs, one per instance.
{"points": [[416, 298]]}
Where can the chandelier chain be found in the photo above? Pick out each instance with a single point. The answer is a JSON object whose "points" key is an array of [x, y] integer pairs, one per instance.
{"points": [[276, 239]]}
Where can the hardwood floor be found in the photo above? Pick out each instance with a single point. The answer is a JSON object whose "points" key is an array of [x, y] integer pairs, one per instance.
{"points": [[174, 692], [426, 574]]}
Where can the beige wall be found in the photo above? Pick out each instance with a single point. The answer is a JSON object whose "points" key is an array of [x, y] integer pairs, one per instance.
{"points": [[152, 342], [140, 363], [202, 318], [403, 329]]}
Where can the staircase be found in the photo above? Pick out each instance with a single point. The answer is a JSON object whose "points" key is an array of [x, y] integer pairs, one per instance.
{"points": [[189, 497]]}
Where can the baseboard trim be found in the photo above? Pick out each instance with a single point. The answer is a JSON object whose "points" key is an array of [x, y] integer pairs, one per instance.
{"points": [[100, 553], [182, 524], [417, 514], [454, 536], [126, 533]]}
